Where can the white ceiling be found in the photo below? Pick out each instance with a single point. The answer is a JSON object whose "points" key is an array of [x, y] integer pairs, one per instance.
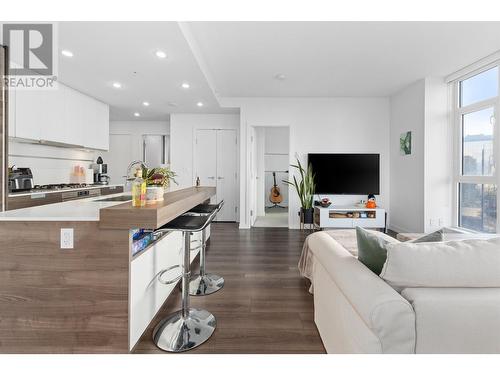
{"points": [[322, 59], [241, 59], [105, 52]]}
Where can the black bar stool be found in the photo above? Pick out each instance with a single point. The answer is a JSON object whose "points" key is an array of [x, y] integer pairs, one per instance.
{"points": [[187, 328], [205, 283]]}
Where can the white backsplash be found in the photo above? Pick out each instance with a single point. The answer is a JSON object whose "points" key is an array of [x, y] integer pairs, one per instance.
{"points": [[50, 165]]}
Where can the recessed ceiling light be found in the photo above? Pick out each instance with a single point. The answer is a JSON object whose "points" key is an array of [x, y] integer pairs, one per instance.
{"points": [[199, 104], [185, 85], [117, 85], [137, 114], [145, 104], [67, 53], [280, 77], [160, 54]]}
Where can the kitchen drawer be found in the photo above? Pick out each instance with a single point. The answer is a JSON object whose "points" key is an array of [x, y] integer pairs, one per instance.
{"points": [[39, 199], [111, 190]]}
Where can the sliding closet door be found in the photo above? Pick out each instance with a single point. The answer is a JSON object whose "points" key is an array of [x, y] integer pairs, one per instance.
{"points": [[215, 163], [226, 173]]}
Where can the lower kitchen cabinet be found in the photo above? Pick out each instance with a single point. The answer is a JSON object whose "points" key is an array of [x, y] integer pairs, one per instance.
{"points": [[147, 294], [32, 200], [111, 190], [39, 199]]}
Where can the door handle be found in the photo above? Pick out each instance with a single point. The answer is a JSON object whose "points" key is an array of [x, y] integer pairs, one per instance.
{"points": [[211, 178], [220, 178]]}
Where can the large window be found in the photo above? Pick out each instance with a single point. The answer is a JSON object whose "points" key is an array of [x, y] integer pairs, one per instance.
{"points": [[476, 110]]}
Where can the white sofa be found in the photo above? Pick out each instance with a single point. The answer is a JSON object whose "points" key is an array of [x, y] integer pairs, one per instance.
{"points": [[356, 311]]}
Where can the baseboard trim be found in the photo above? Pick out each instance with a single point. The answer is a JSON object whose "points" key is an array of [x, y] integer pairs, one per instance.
{"points": [[398, 229]]}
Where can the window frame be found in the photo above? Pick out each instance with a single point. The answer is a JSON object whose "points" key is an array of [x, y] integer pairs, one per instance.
{"points": [[456, 118]]}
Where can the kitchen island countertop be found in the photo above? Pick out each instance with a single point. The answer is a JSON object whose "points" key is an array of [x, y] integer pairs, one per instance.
{"points": [[115, 214]]}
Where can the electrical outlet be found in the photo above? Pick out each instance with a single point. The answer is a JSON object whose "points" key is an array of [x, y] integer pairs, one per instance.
{"points": [[67, 238]]}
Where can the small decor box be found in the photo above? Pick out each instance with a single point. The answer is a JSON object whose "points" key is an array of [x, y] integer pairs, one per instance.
{"points": [[154, 194]]}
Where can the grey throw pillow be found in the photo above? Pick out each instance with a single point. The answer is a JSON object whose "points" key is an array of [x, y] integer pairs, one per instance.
{"points": [[372, 248], [437, 236]]}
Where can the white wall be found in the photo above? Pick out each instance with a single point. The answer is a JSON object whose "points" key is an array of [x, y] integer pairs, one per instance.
{"points": [[407, 171], [182, 128], [347, 125], [119, 156], [421, 183], [50, 165], [438, 156], [137, 129]]}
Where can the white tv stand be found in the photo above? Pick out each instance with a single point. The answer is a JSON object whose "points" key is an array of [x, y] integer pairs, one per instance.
{"points": [[349, 217]]}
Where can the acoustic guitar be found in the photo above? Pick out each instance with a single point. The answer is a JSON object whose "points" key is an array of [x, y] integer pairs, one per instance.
{"points": [[275, 196]]}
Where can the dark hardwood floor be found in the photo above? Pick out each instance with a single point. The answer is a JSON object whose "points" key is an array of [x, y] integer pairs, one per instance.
{"points": [[264, 306]]}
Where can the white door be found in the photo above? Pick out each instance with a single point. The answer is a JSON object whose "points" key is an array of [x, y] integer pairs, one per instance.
{"points": [[118, 157], [226, 173], [253, 176], [215, 163], [205, 158]]}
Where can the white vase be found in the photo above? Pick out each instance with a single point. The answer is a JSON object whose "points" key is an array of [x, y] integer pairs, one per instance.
{"points": [[154, 194]]}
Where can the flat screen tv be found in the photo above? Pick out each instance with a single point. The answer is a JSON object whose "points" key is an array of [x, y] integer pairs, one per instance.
{"points": [[356, 174]]}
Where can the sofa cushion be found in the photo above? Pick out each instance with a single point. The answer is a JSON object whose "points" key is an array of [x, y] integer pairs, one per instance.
{"points": [[371, 248], [460, 264], [456, 320]]}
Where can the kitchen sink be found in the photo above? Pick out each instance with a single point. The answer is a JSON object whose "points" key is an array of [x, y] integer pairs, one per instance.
{"points": [[121, 198]]}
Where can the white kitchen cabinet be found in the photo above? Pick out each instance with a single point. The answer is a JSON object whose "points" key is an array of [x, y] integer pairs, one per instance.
{"points": [[88, 119], [147, 295], [72, 113], [52, 120], [12, 112], [100, 126], [63, 115], [29, 112]]}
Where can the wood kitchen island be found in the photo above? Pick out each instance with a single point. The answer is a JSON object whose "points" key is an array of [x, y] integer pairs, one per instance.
{"points": [[95, 297]]}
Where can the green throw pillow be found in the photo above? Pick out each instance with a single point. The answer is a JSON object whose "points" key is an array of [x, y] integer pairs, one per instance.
{"points": [[437, 236], [372, 248]]}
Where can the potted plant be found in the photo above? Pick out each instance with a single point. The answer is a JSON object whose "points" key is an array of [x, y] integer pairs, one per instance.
{"points": [[157, 179], [305, 191]]}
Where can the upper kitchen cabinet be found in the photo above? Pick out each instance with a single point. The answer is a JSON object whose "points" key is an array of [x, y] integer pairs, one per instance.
{"points": [[94, 120], [29, 109], [64, 116], [12, 112]]}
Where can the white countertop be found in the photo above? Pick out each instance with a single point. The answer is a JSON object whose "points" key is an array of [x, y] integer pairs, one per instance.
{"points": [[39, 192], [76, 210]]}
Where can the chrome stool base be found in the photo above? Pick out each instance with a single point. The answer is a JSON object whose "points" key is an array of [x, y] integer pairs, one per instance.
{"points": [[177, 334], [205, 285]]}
